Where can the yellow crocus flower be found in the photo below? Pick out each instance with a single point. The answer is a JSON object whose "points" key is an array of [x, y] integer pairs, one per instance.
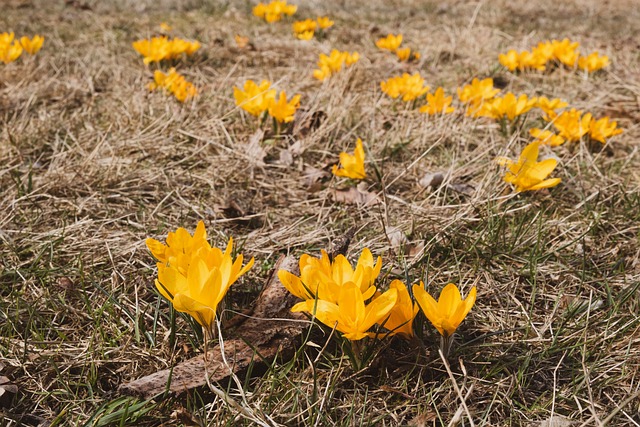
{"points": [[32, 46], [350, 315], [253, 98], [549, 106], [410, 87], [572, 125], [282, 110], [602, 129], [352, 164], [323, 278], [390, 42], [304, 30], [199, 290], [180, 247], [510, 60], [477, 95], [324, 22], [449, 311], [510, 107], [593, 62], [437, 103], [565, 51], [400, 320], [528, 173], [546, 137]]}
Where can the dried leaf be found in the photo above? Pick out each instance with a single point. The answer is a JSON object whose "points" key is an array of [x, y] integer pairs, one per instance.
{"points": [[7, 392], [556, 421], [463, 188], [397, 238], [286, 157], [254, 150], [241, 216], [433, 180], [65, 283], [306, 121], [313, 178], [355, 196]]}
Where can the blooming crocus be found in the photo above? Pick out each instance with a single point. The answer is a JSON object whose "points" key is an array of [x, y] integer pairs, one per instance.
{"points": [[410, 87], [273, 12], [322, 278], [253, 98], [180, 247], [400, 320], [282, 110], [32, 46], [449, 311], [546, 137], [476, 95], [390, 42], [572, 125], [11, 52], [565, 51], [510, 60], [332, 63], [10, 49], [544, 50], [174, 83], [304, 30], [510, 107], [324, 22], [593, 62], [350, 315], [528, 173], [477, 90], [162, 48], [549, 106], [522, 60], [437, 103], [352, 164], [405, 54], [602, 129], [199, 290]]}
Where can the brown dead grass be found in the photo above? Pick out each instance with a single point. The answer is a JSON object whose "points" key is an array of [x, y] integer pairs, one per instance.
{"points": [[91, 164]]}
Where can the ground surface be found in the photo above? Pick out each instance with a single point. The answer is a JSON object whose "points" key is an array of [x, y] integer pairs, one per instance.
{"points": [[91, 164]]}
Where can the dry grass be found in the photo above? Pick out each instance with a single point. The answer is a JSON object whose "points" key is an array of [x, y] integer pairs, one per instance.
{"points": [[91, 164]]}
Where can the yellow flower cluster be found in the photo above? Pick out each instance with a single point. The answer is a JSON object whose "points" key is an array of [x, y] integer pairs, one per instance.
{"points": [[332, 63], [476, 95], [508, 106], [192, 275], [11, 48], [274, 11], [174, 83], [409, 87], [162, 48], [572, 125], [392, 44], [304, 30], [256, 99], [563, 52], [347, 299], [529, 174], [352, 164]]}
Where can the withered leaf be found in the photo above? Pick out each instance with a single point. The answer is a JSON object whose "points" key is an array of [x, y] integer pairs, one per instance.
{"points": [[433, 180], [356, 196], [254, 150]]}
